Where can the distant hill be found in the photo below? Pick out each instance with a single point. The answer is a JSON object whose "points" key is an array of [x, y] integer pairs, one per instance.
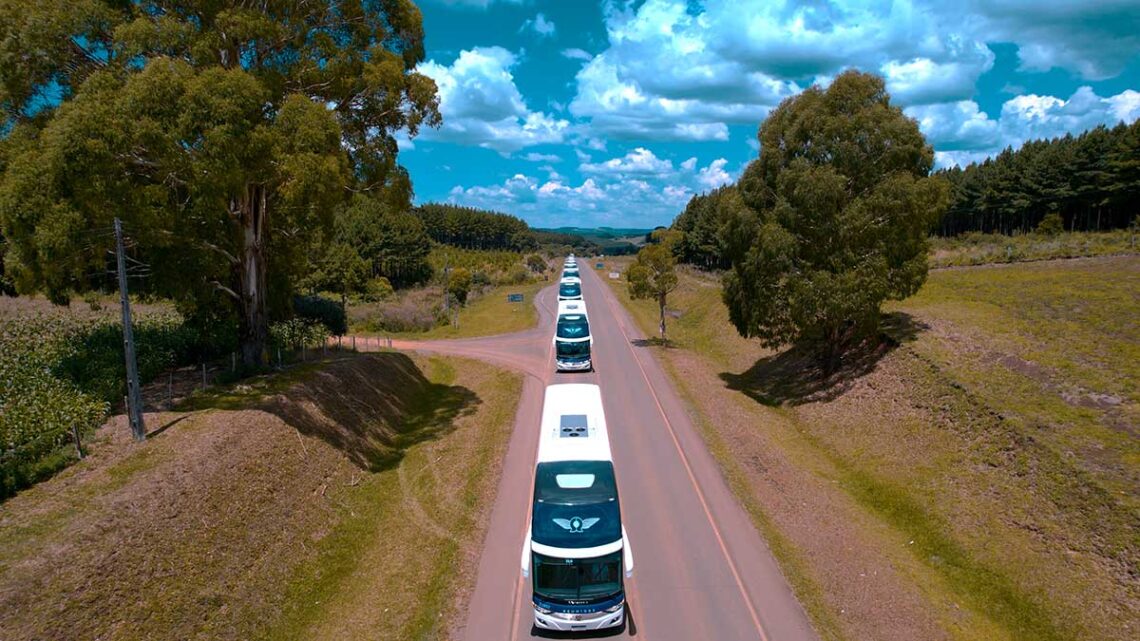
{"points": [[604, 233], [610, 240]]}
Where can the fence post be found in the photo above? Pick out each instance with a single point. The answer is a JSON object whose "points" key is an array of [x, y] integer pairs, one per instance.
{"points": [[354, 342], [78, 442], [170, 387], [203, 375], [233, 362], [279, 364]]}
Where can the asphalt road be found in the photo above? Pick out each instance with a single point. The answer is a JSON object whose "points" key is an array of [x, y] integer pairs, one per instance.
{"points": [[701, 570]]}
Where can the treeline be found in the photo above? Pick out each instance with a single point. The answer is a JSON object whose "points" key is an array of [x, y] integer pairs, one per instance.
{"points": [[470, 228], [1091, 180], [701, 242], [563, 243]]}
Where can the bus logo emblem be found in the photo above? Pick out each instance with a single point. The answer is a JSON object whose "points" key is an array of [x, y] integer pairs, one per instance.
{"points": [[576, 524]]}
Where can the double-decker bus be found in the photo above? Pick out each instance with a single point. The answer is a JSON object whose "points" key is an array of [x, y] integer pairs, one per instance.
{"points": [[576, 553], [572, 340], [570, 289]]}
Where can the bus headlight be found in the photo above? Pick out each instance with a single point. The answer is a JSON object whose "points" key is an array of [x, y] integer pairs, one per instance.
{"points": [[542, 610], [615, 608]]}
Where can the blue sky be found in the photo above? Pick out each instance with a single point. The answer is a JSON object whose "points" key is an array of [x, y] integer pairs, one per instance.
{"points": [[615, 113]]}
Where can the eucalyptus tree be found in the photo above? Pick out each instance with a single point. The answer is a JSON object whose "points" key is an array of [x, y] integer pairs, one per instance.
{"points": [[222, 132], [837, 211]]}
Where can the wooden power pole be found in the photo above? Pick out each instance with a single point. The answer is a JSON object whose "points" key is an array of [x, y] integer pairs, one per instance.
{"points": [[134, 398]]}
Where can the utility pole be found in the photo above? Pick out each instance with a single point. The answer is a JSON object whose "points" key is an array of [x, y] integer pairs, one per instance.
{"points": [[134, 398], [446, 294]]}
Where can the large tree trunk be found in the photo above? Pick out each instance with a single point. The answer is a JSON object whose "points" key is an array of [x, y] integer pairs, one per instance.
{"points": [[254, 219], [661, 305]]}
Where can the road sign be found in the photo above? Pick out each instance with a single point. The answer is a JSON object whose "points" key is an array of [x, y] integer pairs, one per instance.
{"points": [[614, 275], [600, 266], [514, 298]]}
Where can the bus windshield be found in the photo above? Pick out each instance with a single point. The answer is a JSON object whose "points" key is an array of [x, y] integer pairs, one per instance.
{"points": [[577, 348], [568, 579], [570, 290], [573, 326]]}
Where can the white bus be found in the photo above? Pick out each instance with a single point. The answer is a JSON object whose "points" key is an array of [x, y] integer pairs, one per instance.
{"points": [[572, 339], [570, 289], [576, 553]]}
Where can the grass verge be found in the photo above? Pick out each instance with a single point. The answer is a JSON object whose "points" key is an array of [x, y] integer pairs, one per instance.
{"points": [[405, 544], [341, 500], [487, 315], [993, 443]]}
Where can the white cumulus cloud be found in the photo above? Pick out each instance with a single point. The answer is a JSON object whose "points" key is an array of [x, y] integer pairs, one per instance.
{"points": [[481, 105], [638, 188], [961, 133]]}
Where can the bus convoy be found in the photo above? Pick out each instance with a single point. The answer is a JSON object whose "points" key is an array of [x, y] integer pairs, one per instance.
{"points": [[572, 340], [576, 553]]}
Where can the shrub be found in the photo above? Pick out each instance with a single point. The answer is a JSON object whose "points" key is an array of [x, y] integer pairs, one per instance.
{"points": [[378, 289], [480, 279], [414, 311], [1051, 225], [327, 312], [516, 276], [297, 333], [459, 284]]}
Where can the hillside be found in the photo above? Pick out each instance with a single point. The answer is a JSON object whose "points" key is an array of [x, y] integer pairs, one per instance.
{"points": [[299, 506], [974, 478]]}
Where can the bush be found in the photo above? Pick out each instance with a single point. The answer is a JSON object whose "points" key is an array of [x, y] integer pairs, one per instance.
{"points": [[416, 310], [459, 284], [298, 333], [516, 276], [1051, 225], [536, 263], [322, 310], [480, 279], [378, 289]]}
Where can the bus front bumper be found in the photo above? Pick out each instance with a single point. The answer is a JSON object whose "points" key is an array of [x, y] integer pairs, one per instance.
{"points": [[573, 366], [578, 622]]}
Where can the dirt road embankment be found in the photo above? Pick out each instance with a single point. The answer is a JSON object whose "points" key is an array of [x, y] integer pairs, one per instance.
{"points": [[238, 519]]}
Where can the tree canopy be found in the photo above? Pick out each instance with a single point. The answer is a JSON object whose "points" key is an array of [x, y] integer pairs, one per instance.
{"points": [[700, 223], [835, 217], [392, 240], [653, 274], [223, 134], [1092, 181], [472, 228]]}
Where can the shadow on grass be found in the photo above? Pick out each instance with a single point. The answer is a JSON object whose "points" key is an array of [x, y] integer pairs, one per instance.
{"points": [[796, 375], [372, 407], [652, 342]]}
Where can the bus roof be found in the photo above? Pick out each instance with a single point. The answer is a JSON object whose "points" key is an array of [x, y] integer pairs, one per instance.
{"points": [[571, 279], [573, 424], [572, 307]]}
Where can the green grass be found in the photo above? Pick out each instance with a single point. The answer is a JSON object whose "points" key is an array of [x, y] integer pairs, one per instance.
{"points": [[487, 315], [1001, 354], [980, 249], [240, 394], [377, 555]]}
